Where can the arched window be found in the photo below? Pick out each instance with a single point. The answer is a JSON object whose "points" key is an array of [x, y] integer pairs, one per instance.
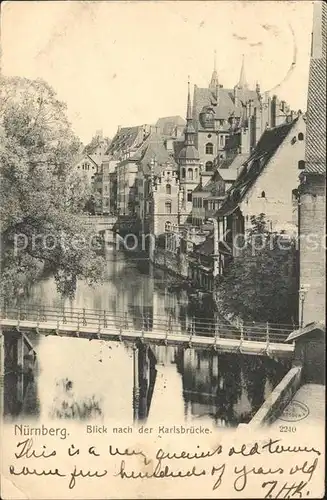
{"points": [[301, 164], [168, 207], [183, 173], [263, 194], [300, 136], [209, 166], [168, 189], [167, 227], [190, 174], [196, 173], [209, 148]]}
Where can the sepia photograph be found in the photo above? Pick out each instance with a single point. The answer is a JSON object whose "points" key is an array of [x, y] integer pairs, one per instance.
{"points": [[163, 198]]}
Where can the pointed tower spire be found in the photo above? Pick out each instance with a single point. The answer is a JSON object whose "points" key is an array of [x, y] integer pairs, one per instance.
{"points": [[242, 81], [214, 83], [189, 129], [189, 153], [189, 109]]}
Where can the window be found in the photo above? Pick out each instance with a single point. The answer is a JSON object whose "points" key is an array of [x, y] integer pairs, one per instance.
{"points": [[209, 166], [300, 136], [196, 173], [190, 174], [168, 207], [167, 227], [209, 135], [301, 164], [183, 173], [209, 148], [263, 194], [168, 189], [189, 195], [222, 140]]}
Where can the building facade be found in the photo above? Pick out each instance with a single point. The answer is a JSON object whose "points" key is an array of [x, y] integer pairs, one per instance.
{"points": [[220, 112], [265, 185], [312, 190]]}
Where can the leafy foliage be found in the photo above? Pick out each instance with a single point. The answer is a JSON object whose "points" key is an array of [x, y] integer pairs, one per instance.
{"points": [[259, 283], [67, 406], [42, 195]]}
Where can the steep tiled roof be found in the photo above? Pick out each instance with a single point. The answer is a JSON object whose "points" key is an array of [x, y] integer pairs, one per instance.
{"points": [[266, 148], [124, 139], [225, 106], [213, 185], [315, 150], [153, 147], [178, 145], [231, 167], [166, 125]]}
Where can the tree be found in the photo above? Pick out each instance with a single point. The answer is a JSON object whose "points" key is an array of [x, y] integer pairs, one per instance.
{"points": [[259, 285], [42, 196]]}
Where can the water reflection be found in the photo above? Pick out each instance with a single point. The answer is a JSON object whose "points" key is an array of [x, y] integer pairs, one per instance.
{"points": [[82, 379]]}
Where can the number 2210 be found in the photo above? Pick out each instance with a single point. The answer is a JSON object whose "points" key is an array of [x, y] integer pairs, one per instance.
{"points": [[287, 428]]}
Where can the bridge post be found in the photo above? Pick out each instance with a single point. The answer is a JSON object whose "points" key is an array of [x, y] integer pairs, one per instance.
{"points": [[216, 335], [136, 386], [267, 335], [242, 334], [143, 373], [18, 317], [57, 329], [20, 368], [78, 324], [44, 317], [38, 318]]}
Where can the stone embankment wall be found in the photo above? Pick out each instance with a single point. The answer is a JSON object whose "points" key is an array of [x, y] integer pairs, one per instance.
{"points": [[274, 405]]}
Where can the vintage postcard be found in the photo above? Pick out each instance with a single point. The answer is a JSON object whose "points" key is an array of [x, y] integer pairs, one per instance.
{"points": [[162, 325]]}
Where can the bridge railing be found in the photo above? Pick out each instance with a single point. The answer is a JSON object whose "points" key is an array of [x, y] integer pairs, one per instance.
{"points": [[123, 321]]}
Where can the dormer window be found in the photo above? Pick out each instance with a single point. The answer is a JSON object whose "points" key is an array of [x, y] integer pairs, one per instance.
{"points": [[263, 194], [300, 136], [301, 165]]}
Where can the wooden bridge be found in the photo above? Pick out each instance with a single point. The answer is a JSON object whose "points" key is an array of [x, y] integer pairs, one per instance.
{"points": [[248, 338], [19, 325]]}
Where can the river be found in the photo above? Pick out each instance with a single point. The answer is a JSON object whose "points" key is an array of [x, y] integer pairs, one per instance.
{"points": [[78, 378]]}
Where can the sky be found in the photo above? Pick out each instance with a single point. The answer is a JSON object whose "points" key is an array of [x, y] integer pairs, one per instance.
{"points": [[128, 63]]}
